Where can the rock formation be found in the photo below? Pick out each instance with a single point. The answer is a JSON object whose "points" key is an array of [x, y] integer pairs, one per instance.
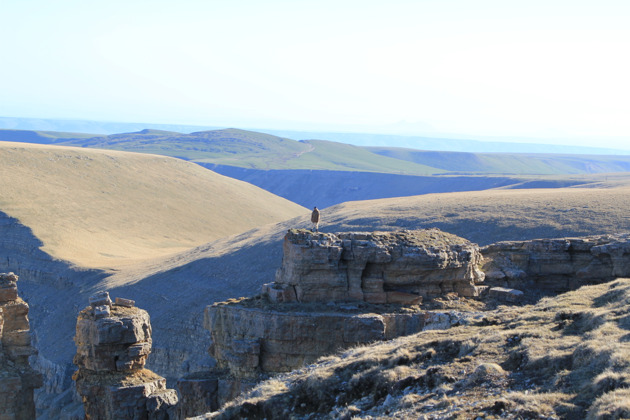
{"points": [[378, 267], [17, 378], [557, 265], [113, 342], [334, 291]]}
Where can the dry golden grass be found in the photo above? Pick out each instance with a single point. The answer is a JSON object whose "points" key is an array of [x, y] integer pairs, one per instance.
{"points": [[503, 214], [99, 208], [482, 217], [567, 357]]}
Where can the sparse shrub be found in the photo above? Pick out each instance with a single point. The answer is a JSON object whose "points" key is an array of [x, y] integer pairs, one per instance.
{"points": [[466, 348], [533, 405], [424, 356], [592, 355], [610, 381], [433, 369], [611, 406], [268, 388], [614, 296], [400, 357], [410, 400], [516, 359], [499, 407]]}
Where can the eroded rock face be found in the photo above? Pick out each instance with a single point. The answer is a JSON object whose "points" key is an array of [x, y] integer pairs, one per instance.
{"points": [[248, 341], [558, 265], [113, 343], [17, 378], [379, 267], [335, 291]]}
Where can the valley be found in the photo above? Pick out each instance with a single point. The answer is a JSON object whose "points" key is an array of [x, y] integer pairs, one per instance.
{"points": [[176, 237]]}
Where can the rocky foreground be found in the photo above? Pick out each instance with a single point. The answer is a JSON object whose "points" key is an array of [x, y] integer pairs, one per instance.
{"points": [[566, 357], [450, 348], [337, 291]]}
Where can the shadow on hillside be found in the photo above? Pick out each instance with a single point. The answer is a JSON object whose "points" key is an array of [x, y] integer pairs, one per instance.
{"points": [[327, 188], [176, 299], [50, 286], [55, 291]]}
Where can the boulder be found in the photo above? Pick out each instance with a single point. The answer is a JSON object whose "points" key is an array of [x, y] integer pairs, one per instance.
{"points": [[506, 295]]}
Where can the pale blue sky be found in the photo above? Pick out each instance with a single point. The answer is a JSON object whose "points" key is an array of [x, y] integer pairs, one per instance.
{"points": [[541, 69]]}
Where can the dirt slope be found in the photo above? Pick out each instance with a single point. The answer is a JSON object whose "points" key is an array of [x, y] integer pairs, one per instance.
{"points": [[99, 208]]}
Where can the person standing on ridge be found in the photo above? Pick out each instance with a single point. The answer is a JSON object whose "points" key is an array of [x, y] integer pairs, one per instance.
{"points": [[315, 219]]}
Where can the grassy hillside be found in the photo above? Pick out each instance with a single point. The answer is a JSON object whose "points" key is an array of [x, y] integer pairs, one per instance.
{"points": [[327, 155], [566, 357], [41, 137], [238, 265], [509, 163], [249, 149], [95, 207], [175, 289], [489, 216], [234, 145]]}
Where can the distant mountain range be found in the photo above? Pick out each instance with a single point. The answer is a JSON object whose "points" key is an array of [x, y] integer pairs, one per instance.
{"points": [[260, 151], [325, 173], [441, 143]]}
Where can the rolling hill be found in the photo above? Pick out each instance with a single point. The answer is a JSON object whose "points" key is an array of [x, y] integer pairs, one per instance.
{"points": [[454, 142], [325, 173], [238, 265], [249, 149], [96, 208], [41, 137], [510, 163], [77, 221], [253, 150]]}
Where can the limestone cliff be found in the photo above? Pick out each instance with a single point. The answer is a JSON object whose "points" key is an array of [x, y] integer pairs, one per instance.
{"points": [[334, 291], [378, 267], [17, 378], [557, 265], [113, 342]]}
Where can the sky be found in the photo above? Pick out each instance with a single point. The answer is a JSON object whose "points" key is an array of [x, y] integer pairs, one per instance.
{"points": [[500, 69]]}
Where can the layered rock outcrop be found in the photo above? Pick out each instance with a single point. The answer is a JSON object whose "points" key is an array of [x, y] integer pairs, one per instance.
{"points": [[334, 291], [378, 267], [17, 377], [251, 339], [557, 265], [113, 342]]}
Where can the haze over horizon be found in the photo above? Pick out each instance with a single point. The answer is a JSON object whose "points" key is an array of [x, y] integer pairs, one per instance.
{"points": [[538, 71]]}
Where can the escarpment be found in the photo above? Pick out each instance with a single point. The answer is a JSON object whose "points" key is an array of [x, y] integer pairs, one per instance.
{"points": [[334, 291], [557, 265], [331, 292], [113, 342], [17, 378], [378, 267]]}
